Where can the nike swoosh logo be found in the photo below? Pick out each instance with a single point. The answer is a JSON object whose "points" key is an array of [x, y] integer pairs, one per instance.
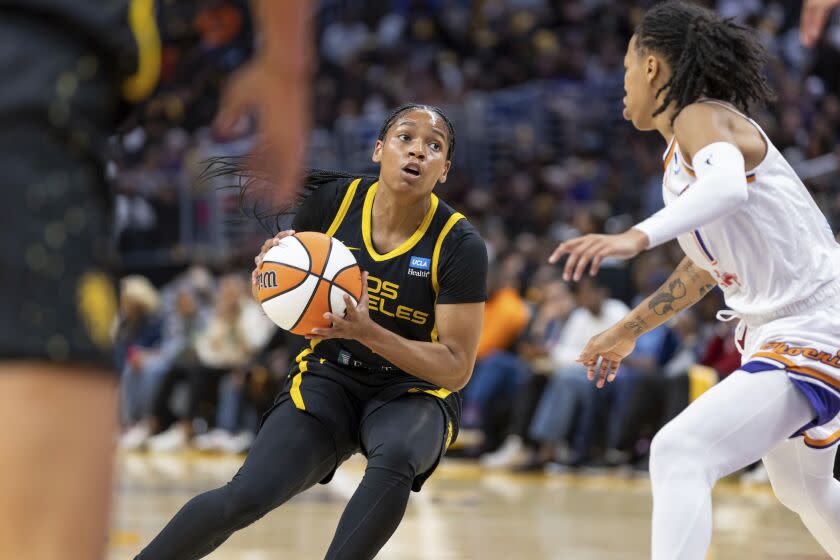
{"points": [[353, 248]]}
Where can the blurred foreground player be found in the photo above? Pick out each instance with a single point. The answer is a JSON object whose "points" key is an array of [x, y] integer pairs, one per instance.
{"points": [[69, 70], [749, 226]]}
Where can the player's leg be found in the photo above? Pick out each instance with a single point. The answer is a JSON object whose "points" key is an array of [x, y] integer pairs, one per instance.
{"points": [[403, 439], [56, 450], [57, 410], [803, 480], [293, 451], [733, 424]]}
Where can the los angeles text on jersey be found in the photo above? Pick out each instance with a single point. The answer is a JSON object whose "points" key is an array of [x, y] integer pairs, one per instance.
{"points": [[382, 297]]}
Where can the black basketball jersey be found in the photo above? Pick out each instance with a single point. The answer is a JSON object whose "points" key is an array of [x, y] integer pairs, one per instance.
{"points": [[124, 34], [444, 261]]}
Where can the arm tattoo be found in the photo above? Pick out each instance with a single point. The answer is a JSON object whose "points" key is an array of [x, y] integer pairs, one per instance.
{"points": [[636, 325], [706, 289], [663, 301]]}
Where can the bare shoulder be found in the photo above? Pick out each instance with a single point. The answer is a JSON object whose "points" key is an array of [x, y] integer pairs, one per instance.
{"points": [[701, 124]]}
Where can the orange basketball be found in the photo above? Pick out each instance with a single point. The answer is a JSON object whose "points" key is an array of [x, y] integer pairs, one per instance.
{"points": [[305, 276]]}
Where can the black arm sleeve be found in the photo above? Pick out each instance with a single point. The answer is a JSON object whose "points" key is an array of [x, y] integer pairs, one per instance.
{"points": [[463, 268], [318, 210]]}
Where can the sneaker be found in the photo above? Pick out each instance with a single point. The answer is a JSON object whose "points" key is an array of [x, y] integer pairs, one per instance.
{"points": [[240, 443], [512, 452], [211, 441], [135, 436], [173, 439]]}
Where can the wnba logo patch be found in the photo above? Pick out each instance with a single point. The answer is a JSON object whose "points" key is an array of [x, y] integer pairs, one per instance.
{"points": [[419, 266]]}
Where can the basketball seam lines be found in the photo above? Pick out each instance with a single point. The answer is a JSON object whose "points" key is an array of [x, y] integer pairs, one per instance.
{"points": [[287, 290], [308, 274]]}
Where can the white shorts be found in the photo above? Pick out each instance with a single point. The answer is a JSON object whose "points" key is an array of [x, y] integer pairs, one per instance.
{"points": [[807, 347]]}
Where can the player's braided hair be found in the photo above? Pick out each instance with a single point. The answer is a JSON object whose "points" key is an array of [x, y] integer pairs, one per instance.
{"points": [[249, 180], [403, 109], [709, 56]]}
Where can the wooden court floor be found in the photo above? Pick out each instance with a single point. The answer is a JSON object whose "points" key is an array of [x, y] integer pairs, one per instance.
{"points": [[462, 513]]}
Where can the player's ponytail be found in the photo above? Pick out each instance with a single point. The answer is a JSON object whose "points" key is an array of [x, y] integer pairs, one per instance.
{"points": [[709, 56], [238, 173]]}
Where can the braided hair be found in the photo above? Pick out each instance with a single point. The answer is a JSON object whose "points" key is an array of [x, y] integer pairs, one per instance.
{"points": [[709, 56], [249, 180]]}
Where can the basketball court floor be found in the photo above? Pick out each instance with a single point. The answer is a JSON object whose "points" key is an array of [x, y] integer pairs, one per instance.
{"points": [[464, 512]]}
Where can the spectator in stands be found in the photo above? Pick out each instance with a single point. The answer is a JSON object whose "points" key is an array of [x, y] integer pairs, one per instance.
{"points": [[176, 357], [497, 370], [555, 303], [235, 332], [137, 340], [569, 398]]}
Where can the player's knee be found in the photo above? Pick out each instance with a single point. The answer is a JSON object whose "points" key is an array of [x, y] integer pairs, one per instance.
{"points": [[803, 496], [399, 457], [246, 503], [674, 453], [789, 493]]}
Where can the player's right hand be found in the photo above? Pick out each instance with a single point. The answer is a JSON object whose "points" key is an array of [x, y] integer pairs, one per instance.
{"points": [[604, 352], [269, 243]]}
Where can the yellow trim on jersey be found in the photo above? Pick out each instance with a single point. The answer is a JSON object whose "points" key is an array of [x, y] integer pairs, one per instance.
{"points": [[408, 244], [439, 393], [342, 210], [450, 223], [448, 435], [141, 19], [297, 396]]}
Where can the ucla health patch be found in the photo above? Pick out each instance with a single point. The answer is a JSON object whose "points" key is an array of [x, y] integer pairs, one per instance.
{"points": [[419, 266]]}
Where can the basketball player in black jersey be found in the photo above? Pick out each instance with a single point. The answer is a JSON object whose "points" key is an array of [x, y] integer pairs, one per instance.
{"points": [[69, 70], [384, 379]]}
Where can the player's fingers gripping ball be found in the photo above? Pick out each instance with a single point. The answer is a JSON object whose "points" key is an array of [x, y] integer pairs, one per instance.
{"points": [[305, 276]]}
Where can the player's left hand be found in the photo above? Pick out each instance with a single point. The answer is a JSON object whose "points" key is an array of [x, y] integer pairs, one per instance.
{"points": [[356, 323], [604, 352], [594, 248]]}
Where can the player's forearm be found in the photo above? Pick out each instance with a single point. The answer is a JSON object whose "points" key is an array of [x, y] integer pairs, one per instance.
{"points": [[433, 362], [286, 34], [686, 286]]}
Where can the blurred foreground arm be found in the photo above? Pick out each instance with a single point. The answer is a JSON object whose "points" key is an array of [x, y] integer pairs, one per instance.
{"points": [[275, 85], [812, 21]]}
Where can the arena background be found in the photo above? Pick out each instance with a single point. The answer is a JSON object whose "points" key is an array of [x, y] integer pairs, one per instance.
{"points": [[534, 90]]}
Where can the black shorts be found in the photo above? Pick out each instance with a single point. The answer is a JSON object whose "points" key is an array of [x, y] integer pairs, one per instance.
{"points": [[60, 101], [342, 401]]}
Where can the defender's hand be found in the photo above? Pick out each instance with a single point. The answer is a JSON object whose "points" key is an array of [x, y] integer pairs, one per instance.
{"points": [[356, 323], [594, 248], [604, 352], [269, 243]]}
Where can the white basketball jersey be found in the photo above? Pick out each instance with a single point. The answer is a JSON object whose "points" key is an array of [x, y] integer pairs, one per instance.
{"points": [[773, 255]]}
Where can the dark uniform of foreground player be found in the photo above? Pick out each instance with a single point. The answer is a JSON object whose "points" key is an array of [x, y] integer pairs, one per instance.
{"points": [[383, 380], [70, 69]]}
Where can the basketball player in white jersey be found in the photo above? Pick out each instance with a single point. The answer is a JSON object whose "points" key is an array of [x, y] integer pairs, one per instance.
{"points": [[748, 225]]}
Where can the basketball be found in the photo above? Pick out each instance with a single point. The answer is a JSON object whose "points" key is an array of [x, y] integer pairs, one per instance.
{"points": [[305, 276]]}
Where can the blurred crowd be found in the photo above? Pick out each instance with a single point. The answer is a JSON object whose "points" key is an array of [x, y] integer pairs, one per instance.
{"points": [[200, 363]]}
